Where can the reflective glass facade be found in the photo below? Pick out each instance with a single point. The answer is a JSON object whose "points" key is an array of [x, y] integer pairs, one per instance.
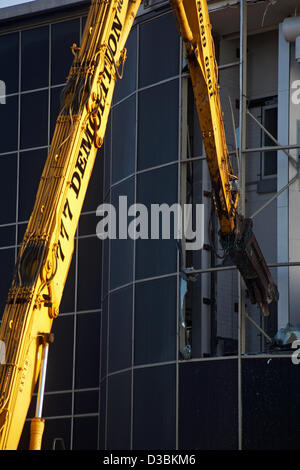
{"points": [[118, 377]]}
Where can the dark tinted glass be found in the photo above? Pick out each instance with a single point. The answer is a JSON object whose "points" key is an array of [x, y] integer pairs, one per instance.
{"points": [[86, 402], [7, 265], [87, 350], [128, 83], [154, 408], [9, 125], [56, 429], [105, 267], [102, 416], [85, 433], [8, 235], [119, 411], [54, 107], [270, 158], [21, 231], [63, 36], [208, 406], [68, 298], [120, 329], [57, 433], [35, 58], [57, 404], [34, 119], [89, 273], [9, 59], [104, 334], [270, 404], [31, 167], [83, 23], [158, 125], [94, 194], [156, 257], [107, 157], [8, 190], [195, 148], [60, 362], [87, 224], [155, 321], [121, 249], [123, 144], [159, 50]]}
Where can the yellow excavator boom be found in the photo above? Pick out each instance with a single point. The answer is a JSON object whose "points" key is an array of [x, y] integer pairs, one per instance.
{"points": [[46, 251], [236, 232]]}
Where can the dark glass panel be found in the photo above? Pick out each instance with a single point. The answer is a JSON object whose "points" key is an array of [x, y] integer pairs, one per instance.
{"points": [[208, 405], [63, 36], [102, 416], [154, 408], [60, 362], [31, 168], [68, 298], [104, 334], [120, 329], [128, 83], [57, 432], [159, 50], [121, 249], [87, 224], [156, 257], [105, 267], [119, 411], [270, 158], [21, 231], [123, 144], [8, 235], [83, 22], [54, 429], [34, 119], [86, 402], [9, 59], [89, 273], [35, 58], [270, 404], [55, 107], [9, 125], [7, 265], [94, 194], [155, 321], [158, 125], [107, 157], [87, 350], [57, 404], [8, 188], [85, 434]]}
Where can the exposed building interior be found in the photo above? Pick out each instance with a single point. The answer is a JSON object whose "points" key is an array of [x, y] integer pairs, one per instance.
{"points": [[156, 346]]}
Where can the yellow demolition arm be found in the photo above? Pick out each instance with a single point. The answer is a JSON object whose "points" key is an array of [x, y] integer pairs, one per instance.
{"points": [[236, 234], [46, 251]]}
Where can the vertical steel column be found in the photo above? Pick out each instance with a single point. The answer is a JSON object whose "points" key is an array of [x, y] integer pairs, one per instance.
{"points": [[242, 143], [242, 204]]}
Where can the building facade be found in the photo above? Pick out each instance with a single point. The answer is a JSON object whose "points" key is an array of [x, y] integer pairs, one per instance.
{"points": [[123, 372]]}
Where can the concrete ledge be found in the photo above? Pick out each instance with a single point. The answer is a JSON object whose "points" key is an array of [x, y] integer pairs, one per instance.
{"points": [[43, 6], [36, 7]]}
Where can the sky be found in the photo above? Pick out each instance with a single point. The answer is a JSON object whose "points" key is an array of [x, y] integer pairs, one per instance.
{"points": [[10, 3]]}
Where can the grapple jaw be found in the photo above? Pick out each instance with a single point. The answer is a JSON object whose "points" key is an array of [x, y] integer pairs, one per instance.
{"points": [[246, 254]]}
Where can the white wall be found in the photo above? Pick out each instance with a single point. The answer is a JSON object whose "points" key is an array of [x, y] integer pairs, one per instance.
{"points": [[262, 83], [11, 3]]}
